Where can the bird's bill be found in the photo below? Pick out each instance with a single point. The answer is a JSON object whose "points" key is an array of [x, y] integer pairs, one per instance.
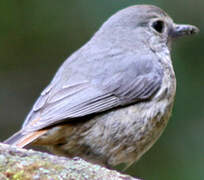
{"points": [[180, 30]]}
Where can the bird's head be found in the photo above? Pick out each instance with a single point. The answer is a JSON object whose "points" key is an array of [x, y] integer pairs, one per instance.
{"points": [[143, 26]]}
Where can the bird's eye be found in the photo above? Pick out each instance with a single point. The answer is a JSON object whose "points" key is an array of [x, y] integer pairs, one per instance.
{"points": [[158, 26]]}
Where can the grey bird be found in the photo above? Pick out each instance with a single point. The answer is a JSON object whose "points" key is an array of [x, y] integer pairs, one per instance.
{"points": [[110, 100]]}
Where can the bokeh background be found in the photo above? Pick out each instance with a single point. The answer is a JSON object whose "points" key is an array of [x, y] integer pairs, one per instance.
{"points": [[36, 37]]}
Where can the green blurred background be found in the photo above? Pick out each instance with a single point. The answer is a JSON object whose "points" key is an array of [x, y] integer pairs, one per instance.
{"points": [[36, 37]]}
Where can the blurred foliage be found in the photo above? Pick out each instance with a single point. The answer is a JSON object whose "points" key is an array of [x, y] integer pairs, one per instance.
{"points": [[37, 36]]}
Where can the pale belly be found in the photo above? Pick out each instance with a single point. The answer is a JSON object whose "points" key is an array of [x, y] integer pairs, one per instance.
{"points": [[119, 136]]}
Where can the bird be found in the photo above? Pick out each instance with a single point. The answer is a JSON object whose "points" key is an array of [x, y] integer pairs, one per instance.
{"points": [[110, 101]]}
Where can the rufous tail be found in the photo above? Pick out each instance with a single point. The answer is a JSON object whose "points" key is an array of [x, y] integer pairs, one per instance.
{"points": [[21, 139]]}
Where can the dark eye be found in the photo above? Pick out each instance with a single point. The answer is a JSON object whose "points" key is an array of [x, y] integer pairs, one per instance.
{"points": [[158, 26]]}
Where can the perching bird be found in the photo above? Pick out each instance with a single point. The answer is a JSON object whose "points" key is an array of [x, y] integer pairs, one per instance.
{"points": [[110, 101]]}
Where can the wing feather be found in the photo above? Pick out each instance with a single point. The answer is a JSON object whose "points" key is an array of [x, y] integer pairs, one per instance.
{"points": [[86, 91]]}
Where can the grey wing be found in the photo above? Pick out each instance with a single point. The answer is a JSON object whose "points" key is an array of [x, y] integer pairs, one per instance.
{"points": [[84, 101], [135, 81]]}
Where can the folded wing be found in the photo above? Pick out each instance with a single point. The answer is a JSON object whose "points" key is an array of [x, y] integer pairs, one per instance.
{"points": [[132, 80]]}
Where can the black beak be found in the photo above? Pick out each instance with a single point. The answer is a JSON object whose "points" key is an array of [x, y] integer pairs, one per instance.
{"points": [[180, 30]]}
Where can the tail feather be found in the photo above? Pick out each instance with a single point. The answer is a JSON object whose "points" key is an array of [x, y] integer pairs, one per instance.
{"points": [[21, 139]]}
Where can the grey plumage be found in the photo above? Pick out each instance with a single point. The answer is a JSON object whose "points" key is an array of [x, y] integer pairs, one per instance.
{"points": [[110, 100], [136, 78]]}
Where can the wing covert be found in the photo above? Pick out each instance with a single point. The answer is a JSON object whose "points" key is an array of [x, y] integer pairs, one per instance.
{"points": [[135, 79]]}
